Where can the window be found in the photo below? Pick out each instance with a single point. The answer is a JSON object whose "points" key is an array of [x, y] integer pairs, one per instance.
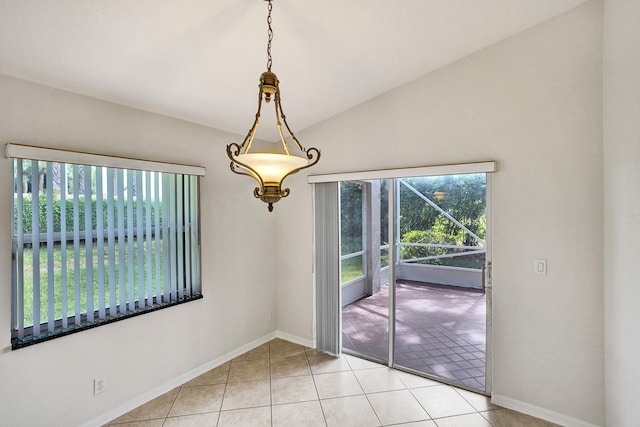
{"points": [[93, 243], [351, 231]]}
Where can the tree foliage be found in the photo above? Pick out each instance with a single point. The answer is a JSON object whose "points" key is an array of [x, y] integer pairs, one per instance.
{"points": [[461, 196], [351, 198], [438, 233], [27, 207], [26, 185]]}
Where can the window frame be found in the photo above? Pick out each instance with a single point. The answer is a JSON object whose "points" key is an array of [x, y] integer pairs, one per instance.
{"points": [[184, 230]]}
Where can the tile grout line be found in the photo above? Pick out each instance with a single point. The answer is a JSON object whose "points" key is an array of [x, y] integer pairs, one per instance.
{"points": [[421, 405], [172, 404], [366, 396], [313, 378], [353, 369], [224, 393]]}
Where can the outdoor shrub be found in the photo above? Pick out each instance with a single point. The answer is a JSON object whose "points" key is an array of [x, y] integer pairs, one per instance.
{"points": [[68, 220]]}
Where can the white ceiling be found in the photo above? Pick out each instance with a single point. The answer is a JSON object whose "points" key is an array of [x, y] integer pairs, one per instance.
{"points": [[200, 60]]}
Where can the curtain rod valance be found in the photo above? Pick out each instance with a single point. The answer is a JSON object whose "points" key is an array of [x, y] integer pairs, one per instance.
{"points": [[20, 151], [462, 168]]}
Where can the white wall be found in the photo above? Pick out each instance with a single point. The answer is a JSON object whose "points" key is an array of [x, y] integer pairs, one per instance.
{"points": [[534, 104], [52, 382], [622, 210]]}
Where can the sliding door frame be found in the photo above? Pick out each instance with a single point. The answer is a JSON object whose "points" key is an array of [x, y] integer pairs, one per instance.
{"points": [[321, 321]]}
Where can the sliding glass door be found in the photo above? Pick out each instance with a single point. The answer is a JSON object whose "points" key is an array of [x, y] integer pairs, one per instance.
{"points": [[364, 268], [440, 297], [413, 267]]}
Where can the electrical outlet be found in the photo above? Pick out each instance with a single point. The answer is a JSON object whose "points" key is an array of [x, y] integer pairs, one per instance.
{"points": [[99, 385], [270, 316]]}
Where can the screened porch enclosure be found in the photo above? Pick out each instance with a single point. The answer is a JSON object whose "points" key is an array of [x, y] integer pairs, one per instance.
{"points": [[440, 303], [440, 331]]}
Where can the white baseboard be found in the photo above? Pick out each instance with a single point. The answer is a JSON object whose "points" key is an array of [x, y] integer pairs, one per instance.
{"points": [[178, 381], [295, 339], [506, 402], [538, 412]]}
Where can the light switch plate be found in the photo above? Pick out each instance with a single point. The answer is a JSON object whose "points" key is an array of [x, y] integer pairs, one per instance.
{"points": [[540, 267]]}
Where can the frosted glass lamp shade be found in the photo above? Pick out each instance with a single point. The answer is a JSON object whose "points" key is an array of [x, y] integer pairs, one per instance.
{"points": [[272, 167]]}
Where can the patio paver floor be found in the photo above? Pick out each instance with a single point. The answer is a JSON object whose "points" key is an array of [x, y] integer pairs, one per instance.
{"points": [[440, 330]]}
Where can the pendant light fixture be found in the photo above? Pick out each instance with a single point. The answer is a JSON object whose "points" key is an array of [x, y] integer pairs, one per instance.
{"points": [[270, 168]]}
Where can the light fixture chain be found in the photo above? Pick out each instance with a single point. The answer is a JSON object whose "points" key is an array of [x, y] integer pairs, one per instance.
{"points": [[270, 33], [261, 166]]}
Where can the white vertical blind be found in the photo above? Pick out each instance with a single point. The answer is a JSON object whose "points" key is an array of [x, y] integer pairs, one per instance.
{"points": [[100, 243], [157, 245], [88, 242], [187, 231], [142, 303], [19, 249], [130, 262], [134, 245], [35, 226], [179, 225], [111, 239], [327, 267], [173, 232], [194, 228], [147, 245], [76, 242], [166, 216], [122, 262], [50, 266], [63, 243]]}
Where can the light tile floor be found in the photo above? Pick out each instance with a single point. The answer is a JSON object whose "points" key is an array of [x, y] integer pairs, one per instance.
{"points": [[285, 384]]}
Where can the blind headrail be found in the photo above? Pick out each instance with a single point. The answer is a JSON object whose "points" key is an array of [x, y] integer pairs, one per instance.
{"points": [[451, 169], [20, 151]]}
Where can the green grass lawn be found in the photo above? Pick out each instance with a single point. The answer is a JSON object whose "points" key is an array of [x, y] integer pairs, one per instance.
{"points": [[351, 268], [80, 295]]}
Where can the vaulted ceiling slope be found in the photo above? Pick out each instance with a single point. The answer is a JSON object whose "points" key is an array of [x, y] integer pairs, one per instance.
{"points": [[200, 60]]}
